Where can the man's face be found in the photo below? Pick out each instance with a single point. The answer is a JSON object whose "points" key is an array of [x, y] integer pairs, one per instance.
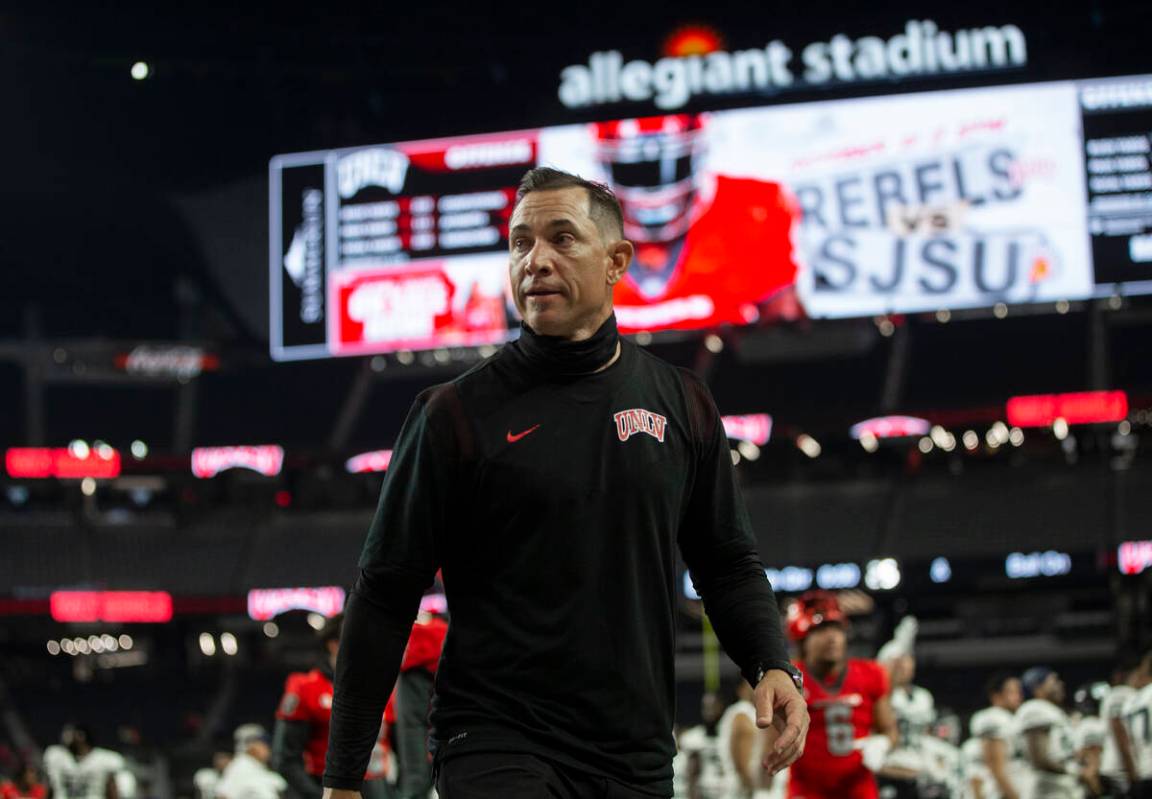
{"points": [[827, 643], [1052, 689], [1011, 694], [562, 267], [260, 750]]}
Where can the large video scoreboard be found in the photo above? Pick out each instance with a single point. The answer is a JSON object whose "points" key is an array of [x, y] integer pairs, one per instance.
{"points": [[896, 204]]}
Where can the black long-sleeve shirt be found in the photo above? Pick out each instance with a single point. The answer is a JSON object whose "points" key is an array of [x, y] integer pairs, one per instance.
{"points": [[554, 505]]}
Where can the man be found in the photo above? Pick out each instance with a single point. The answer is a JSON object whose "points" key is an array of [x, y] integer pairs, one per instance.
{"points": [[739, 744], [411, 701], [78, 769], [915, 710], [27, 784], [206, 779], [1138, 719], [300, 742], [552, 484], [997, 754], [1117, 766], [698, 768], [1088, 734], [1048, 744], [853, 726], [247, 775]]}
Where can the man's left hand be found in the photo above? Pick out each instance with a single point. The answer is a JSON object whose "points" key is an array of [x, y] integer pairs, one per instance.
{"points": [[782, 711]]}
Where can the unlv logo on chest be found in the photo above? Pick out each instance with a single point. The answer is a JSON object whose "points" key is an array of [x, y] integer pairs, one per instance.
{"points": [[638, 420]]}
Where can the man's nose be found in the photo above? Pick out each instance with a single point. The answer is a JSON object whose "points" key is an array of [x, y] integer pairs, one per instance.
{"points": [[540, 260]]}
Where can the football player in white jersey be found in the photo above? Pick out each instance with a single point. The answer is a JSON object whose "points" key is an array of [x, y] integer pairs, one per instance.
{"points": [[698, 767], [78, 769], [1047, 732], [994, 755], [1138, 720], [915, 710], [247, 775], [740, 746], [1117, 767], [1088, 734]]}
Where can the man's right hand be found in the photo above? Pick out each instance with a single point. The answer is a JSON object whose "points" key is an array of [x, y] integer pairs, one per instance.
{"points": [[340, 793]]}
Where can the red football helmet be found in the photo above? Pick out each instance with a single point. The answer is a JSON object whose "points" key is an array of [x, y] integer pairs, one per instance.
{"points": [[651, 164], [811, 610]]}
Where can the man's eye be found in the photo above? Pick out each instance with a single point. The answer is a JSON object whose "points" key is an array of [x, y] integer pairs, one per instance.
{"points": [[519, 244], [565, 239]]}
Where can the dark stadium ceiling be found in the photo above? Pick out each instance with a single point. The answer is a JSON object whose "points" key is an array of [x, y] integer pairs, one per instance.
{"points": [[233, 84]]}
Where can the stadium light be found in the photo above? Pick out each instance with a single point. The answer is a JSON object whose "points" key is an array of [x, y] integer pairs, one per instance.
{"points": [[882, 574], [940, 570], [141, 70], [808, 445], [229, 644]]}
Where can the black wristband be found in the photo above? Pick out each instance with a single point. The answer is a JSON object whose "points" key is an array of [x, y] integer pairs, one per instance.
{"points": [[762, 667]]}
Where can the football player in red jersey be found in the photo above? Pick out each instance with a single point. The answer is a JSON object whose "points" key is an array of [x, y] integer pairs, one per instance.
{"points": [[27, 784], [300, 741], [410, 701], [853, 725], [710, 249]]}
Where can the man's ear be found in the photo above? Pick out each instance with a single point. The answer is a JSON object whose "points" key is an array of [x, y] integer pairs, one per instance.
{"points": [[621, 254]]}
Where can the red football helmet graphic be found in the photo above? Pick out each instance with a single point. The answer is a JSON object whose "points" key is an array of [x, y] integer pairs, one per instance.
{"points": [[651, 163]]}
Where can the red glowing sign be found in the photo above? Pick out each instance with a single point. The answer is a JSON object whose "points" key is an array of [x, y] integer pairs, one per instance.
{"points": [[891, 427], [35, 462], [692, 40], [111, 606], [753, 427], [376, 461], [210, 461], [267, 603], [1133, 557], [1087, 407]]}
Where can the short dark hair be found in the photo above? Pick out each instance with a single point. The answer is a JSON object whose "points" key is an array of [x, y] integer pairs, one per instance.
{"points": [[603, 206], [997, 682]]}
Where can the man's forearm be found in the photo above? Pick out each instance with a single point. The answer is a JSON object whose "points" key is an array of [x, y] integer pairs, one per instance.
{"points": [[743, 610], [377, 622]]}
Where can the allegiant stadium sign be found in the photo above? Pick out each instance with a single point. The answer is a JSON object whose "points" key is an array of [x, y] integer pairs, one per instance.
{"points": [[921, 50]]}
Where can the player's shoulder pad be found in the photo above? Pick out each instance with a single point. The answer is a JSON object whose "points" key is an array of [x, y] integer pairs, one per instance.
{"points": [[298, 689], [991, 722], [872, 670], [113, 761], [1036, 714], [1113, 705], [693, 739], [1139, 700]]}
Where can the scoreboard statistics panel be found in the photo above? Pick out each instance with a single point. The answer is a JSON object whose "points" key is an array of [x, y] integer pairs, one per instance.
{"points": [[393, 247], [898, 204]]}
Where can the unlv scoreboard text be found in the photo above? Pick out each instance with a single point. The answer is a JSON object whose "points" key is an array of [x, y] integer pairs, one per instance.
{"points": [[1029, 193]]}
